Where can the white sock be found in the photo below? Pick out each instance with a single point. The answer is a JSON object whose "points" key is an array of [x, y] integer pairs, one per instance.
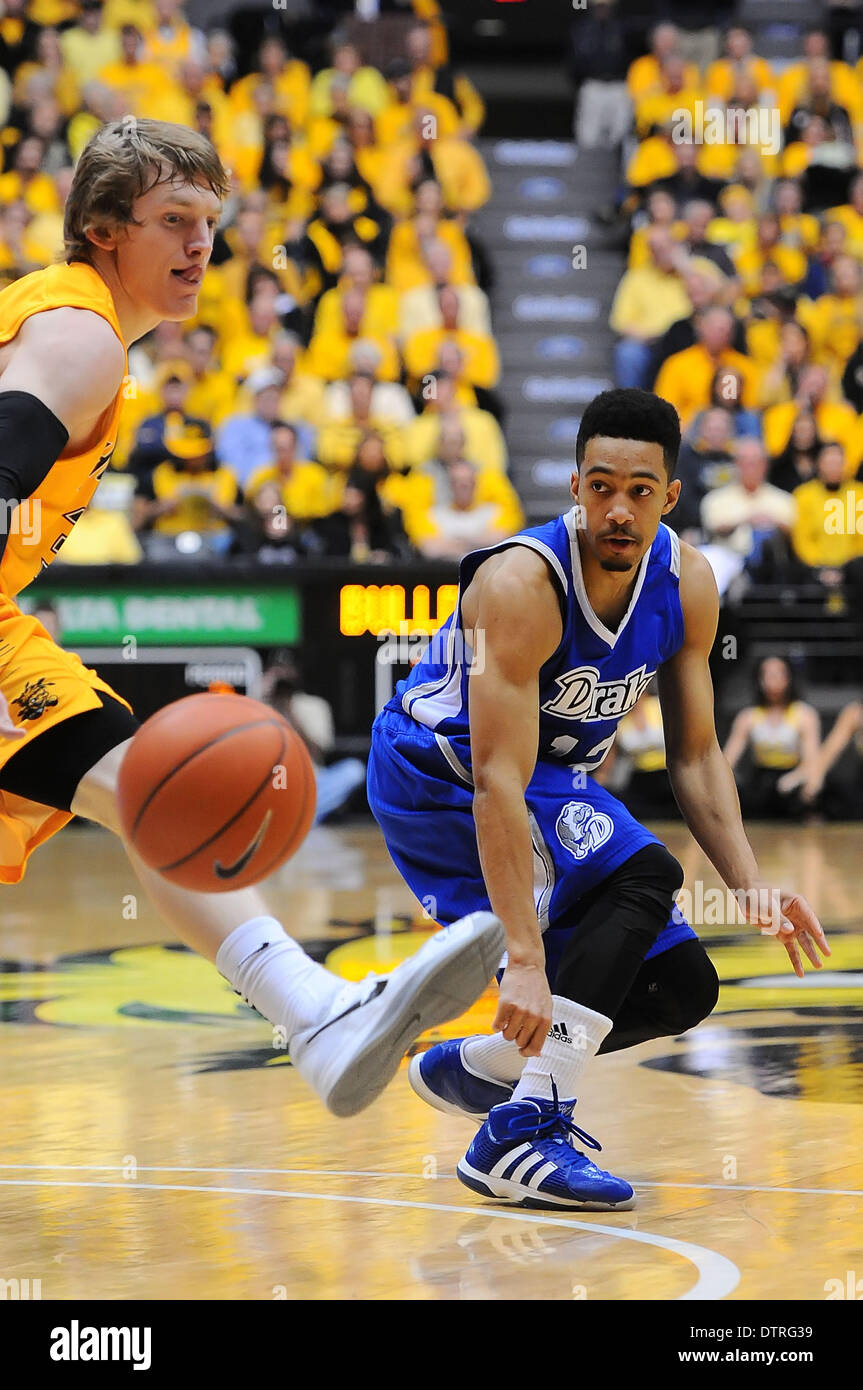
{"points": [[494, 1056], [272, 972], [575, 1036]]}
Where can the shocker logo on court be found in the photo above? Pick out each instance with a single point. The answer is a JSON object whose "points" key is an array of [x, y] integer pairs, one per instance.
{"points": [[35, 698]]}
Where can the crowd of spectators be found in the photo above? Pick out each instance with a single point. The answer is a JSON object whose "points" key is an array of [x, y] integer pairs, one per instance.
{"points": [[335, 394], [742, 300]]}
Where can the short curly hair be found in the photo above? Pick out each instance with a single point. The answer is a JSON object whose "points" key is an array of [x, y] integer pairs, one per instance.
{"points": [[629, 413], [122, 161]]}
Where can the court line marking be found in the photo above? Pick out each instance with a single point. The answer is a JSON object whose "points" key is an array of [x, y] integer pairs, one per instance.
{"points": [[717, 1275], [389, 1173]]}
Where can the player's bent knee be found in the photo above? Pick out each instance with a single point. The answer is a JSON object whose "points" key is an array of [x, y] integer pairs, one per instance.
{"points": [[697, 990], [96, 794]]}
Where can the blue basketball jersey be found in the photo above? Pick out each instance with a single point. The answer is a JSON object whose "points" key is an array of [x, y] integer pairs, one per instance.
{"points": [[593, 678]]}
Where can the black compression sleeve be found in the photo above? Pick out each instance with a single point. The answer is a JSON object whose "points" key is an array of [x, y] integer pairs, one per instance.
{"points": [[31, 441]]}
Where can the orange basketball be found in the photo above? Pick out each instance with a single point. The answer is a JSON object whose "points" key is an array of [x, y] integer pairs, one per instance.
{"points": [[216, 791]]}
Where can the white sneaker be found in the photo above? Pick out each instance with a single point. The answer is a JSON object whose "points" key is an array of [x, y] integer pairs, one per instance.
{"points": [[351, 1055]]}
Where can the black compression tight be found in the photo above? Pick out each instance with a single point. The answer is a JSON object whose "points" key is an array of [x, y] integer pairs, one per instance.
{"points": [[671, 992], [616, 925]]}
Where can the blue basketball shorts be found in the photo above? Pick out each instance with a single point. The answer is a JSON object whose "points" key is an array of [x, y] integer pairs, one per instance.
{"points": [[580, 833]]}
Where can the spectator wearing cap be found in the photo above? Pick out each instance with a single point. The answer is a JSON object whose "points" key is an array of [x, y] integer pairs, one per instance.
{"points": [[187, 492], [90, 45], [145, 422], [243, 441], [304, 488]]}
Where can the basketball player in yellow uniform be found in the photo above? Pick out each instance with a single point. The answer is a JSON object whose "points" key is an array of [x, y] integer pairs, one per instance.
{"points": [[139, 226]]}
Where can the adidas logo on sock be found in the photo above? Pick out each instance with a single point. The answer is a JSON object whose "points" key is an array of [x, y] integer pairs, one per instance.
{"points": [[560, 1033]]}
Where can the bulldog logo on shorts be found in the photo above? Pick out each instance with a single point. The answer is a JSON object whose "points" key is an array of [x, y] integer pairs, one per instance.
{"points": [[35, 698], [581, 829]]}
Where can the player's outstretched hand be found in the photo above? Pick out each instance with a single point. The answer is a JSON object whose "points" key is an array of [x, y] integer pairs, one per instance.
{"points": [[524, 1008], [8, 729], [788, 917]]}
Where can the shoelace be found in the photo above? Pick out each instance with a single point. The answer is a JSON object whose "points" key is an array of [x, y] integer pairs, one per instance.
{"points": [[555, 1125]]}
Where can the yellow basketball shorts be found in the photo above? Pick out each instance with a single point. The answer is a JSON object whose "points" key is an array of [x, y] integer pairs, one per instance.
{"points": [[45, 688]]}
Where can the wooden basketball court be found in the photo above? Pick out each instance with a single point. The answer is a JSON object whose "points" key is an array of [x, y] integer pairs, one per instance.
{"points": [[156, 1144]]}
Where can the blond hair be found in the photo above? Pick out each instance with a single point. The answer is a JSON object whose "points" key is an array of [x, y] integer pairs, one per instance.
{"points": [[122, 161]]}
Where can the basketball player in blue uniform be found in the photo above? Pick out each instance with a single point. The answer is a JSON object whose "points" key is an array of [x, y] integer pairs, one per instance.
{"points": [[480, 778]]}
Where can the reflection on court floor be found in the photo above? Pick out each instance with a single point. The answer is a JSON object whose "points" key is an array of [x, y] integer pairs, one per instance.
{"points": [[157, 1144]]}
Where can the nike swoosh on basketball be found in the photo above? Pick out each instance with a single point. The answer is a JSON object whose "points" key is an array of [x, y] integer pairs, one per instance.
{"points": [[231, 870]]}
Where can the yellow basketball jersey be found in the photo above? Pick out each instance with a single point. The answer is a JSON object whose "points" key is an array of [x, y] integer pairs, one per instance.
{"points": [[40, 523]]}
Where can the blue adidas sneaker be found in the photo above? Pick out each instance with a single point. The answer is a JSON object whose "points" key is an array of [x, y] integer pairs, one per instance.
{"points": [[524, 1154], [443, 1079]]}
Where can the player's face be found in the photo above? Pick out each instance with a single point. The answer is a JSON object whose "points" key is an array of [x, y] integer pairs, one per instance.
{"points": [[623, 490], [161, 263]]}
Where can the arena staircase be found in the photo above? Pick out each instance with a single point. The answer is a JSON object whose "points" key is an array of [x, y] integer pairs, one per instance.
{"points": [[553, 286]]}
